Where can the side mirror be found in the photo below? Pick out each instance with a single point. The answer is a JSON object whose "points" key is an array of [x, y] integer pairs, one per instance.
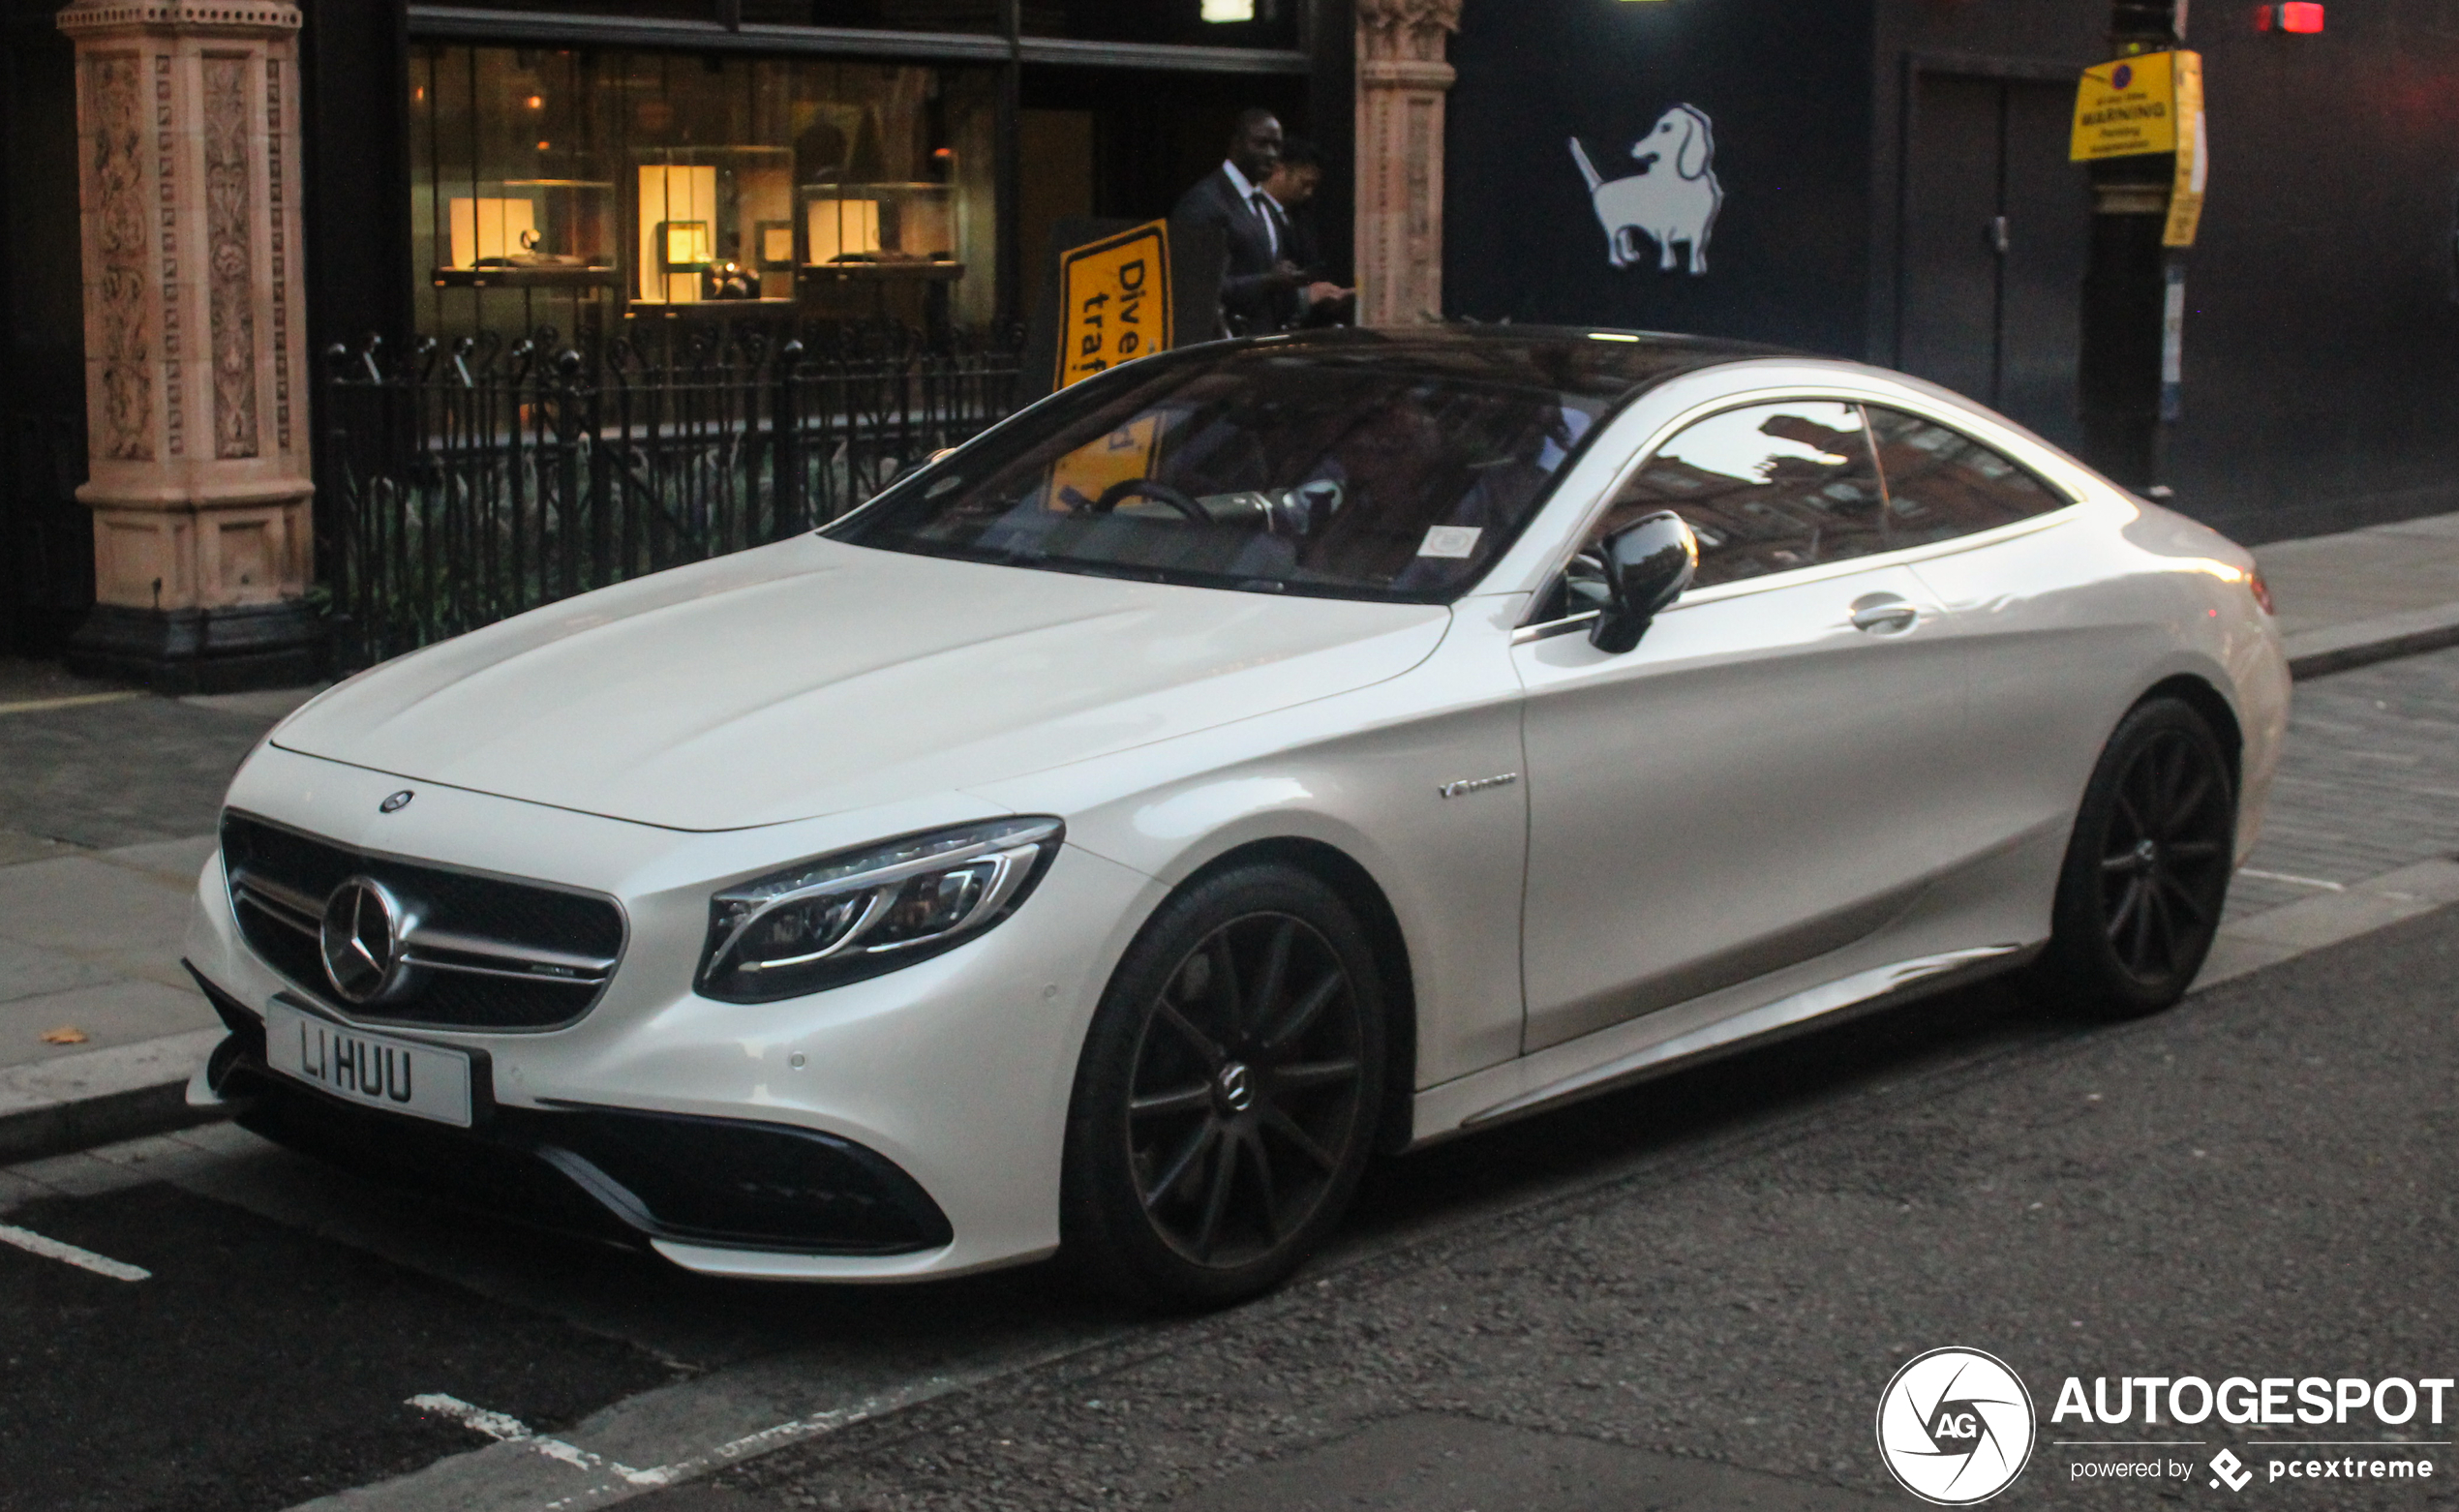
{"points": [[1648, 564]]}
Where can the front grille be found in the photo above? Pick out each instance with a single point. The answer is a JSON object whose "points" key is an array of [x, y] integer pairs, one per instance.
{"points": [[489, 953]]}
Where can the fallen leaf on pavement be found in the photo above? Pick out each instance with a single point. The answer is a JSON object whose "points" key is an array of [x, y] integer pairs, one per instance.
{"points": [[65, 1034]]}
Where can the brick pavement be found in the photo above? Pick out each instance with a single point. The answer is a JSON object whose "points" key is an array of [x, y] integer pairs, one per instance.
{"points": [[2369, 781]]}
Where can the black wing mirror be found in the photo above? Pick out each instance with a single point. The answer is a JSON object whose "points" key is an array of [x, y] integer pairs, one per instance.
{"points": [[1648, 564]]}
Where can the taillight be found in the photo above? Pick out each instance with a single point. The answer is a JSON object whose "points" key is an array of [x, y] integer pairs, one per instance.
{"points": [[2262, 591]]}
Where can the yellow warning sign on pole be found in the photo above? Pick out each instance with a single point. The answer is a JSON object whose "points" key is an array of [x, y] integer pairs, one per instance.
{"points": [[2130, 106], [2194, 155], [1114, 302]]}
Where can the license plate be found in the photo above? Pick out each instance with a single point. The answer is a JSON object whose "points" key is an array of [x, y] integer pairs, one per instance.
{"points": [[378, 1070]]}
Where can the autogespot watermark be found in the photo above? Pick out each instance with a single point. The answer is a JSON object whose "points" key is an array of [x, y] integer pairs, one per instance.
{"points": [[2401, 1415], [1956, 1427]]}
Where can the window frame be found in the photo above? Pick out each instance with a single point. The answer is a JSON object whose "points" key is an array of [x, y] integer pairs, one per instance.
{"points": [[1532, 628]]}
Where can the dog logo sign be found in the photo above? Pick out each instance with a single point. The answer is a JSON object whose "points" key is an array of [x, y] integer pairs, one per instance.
{"points": [[1672, 199]]}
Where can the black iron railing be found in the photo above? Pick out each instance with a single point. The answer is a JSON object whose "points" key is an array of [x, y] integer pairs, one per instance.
{"points": [[460, 483]]}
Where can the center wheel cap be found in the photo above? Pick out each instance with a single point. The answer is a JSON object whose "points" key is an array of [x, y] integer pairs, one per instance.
{"points": [[1237, 1087], [2146, 854]]}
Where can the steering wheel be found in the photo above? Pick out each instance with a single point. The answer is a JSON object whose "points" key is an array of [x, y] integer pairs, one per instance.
{"points": [[1154, 489]]}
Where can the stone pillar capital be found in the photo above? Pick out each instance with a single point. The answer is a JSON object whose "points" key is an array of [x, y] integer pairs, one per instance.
{"points": [[1405, 30], [104, 18]]}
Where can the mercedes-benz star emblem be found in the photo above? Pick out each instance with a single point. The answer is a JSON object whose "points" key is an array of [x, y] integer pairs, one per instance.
{"points": [[362, 938], [397, 802]]}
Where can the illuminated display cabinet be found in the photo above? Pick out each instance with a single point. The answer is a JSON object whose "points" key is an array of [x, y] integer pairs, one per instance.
{"points": [[535, 231], [708, 220], [881, 230]]}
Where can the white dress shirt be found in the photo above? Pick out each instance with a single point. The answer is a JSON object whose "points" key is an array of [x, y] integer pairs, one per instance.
{"points": [[1258, 202]]}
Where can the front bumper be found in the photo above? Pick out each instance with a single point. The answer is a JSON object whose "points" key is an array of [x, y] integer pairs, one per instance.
{"points": [[931, 1101], [618, 1174]]}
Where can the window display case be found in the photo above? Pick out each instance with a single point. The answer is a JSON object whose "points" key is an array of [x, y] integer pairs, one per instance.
{"points": [[708, 216], [575, 189], [541, 232], [880, 232]]}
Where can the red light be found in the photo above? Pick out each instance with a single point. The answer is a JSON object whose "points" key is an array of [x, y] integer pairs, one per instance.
{"points": [[2261, 592], [2299, 16]]}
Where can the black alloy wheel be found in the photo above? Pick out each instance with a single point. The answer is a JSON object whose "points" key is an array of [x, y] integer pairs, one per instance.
{"points": [[2147, 871], [1227, 1098]]}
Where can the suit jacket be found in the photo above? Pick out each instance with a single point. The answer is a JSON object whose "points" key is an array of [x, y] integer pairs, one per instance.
{"points": [[1249, 306]]}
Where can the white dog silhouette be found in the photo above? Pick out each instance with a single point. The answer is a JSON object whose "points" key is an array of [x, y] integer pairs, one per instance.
{"points": [[1666, 208]]}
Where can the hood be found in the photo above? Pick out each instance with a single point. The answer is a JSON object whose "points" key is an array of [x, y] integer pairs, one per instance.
{"points": [[811, 678]]}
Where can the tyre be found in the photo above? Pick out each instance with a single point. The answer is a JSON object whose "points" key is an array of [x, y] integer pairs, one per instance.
{"points": [[1225, 1103], [2147, 870]]}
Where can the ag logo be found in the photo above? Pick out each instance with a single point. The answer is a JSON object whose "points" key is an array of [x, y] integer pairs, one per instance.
{"points": [[1955, 1427]]}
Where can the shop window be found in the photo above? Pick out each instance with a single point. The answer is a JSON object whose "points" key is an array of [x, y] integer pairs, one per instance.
{"points": [[578, 189]]}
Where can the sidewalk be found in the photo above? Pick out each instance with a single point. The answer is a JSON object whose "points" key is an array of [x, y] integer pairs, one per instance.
{"points": [[109, 798]]}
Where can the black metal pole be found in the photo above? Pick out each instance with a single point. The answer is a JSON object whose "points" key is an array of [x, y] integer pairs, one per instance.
{"points": [[2125, 290]]}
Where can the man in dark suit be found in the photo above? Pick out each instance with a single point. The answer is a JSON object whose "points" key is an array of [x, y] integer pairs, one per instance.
{"points": [[1259, 288]]}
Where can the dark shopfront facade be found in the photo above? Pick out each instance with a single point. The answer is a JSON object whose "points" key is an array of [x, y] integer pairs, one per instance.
{"points": [[652, 186], [565, 165], [1866, 151]]}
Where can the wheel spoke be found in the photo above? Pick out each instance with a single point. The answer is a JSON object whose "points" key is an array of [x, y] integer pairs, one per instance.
{"points": [[1225, 1175], [2126, 907], [1288, 1128], [2111, 866], [1225, 980], [2161, 929], [2145, 902], [1160, 1105], [1188, 1154], [1270, 1193], [2182, 813], [1168, 1013], [2126, 811], [1276, 968], [2192, 850], [2178, 891], [1309, 1008], [1314, 1074]]}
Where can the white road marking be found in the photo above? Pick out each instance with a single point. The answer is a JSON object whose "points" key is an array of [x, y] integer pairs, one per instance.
{"points": [[2302, 882], [505, 1427], [33, 1243], [36, 705]]}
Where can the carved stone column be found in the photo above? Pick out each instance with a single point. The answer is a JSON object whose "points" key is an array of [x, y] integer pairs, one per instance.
{"points": [[196, 342], [1402, 78]]}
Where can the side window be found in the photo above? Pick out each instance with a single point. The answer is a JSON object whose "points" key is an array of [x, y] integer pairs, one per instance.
{"points": [[1768, 489], [1942, 484]]}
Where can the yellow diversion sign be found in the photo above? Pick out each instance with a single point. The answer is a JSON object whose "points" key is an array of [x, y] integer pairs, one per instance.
{"points": [[2130, 106], [1114, 303]]}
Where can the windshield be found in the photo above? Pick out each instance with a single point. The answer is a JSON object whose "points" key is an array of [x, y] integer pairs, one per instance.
{"points": [[1356, 476]]}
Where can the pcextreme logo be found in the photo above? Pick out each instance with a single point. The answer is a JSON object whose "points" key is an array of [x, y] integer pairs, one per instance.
{"points": [[1955, 1427]]}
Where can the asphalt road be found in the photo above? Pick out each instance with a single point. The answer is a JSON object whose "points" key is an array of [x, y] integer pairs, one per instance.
{"points": [[1686, 1295], [2260, 1183]]}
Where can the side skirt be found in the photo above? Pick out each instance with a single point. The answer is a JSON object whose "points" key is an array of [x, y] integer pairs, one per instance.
{"points": [[1862, 991]]}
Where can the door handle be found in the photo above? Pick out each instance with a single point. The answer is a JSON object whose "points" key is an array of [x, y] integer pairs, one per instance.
{"points": [[1884, 614]]}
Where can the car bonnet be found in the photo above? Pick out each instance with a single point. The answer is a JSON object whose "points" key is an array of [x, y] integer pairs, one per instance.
{"points": [[812, 677]]}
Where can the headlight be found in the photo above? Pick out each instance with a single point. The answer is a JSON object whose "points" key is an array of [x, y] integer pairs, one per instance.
{"points": [[856, 914]]}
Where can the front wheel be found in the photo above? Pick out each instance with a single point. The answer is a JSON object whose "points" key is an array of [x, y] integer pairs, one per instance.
{"points": [[1226, 1101], [2147, 870]]}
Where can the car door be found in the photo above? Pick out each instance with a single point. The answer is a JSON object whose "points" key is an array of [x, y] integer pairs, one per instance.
{"points": [[1745, 790], [2052, 637]]}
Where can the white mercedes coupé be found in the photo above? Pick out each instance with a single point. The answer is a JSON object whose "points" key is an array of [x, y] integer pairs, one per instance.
{"points": [[1250, 759]]}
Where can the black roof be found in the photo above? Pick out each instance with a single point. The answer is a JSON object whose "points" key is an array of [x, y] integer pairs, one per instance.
{"points": [[1571, 359]]}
